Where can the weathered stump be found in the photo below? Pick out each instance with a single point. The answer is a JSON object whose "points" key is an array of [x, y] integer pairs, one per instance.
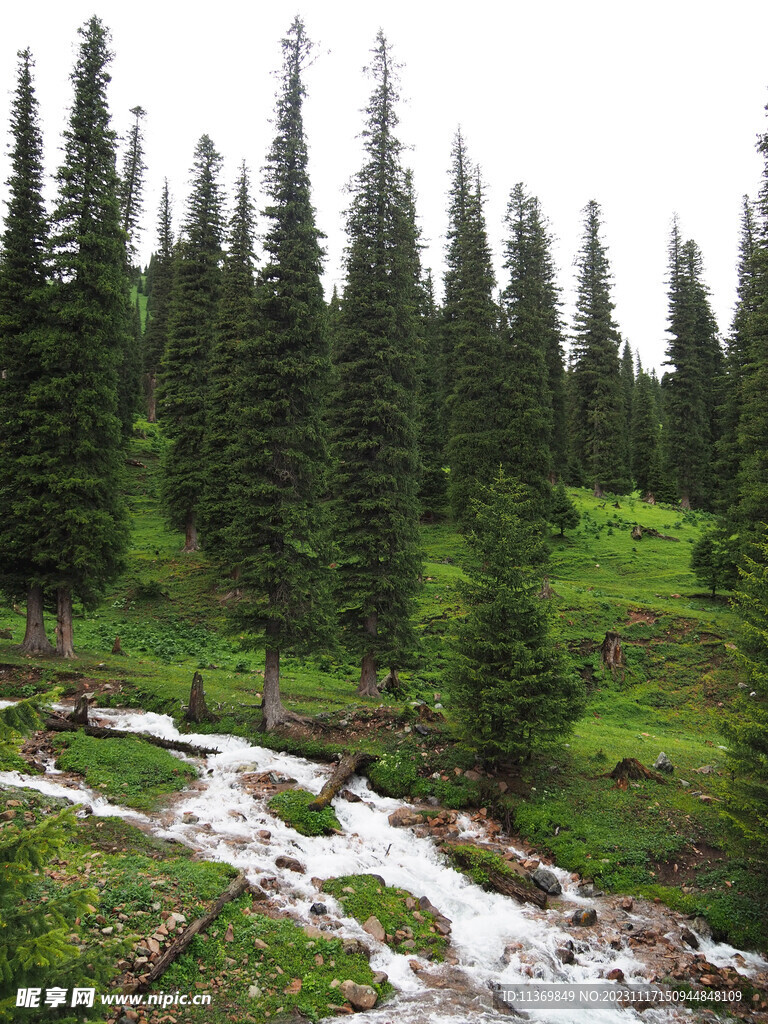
{"points": [[637, 532], [611, 653], [116, 648], [391, 682], [79, 716], [198, 710], [631, 769]]}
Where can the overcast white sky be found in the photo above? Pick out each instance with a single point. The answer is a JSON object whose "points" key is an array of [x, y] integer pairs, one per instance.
{"points": [[649, 108]]}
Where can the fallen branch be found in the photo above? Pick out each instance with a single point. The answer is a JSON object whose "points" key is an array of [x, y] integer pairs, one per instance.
{"points": [[57, 724], [347, 766], [236, 888]]}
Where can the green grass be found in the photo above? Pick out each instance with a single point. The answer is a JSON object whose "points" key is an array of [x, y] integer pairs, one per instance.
{"points": [[292, 806], [478, 864], [129, 771], [363, 896]]}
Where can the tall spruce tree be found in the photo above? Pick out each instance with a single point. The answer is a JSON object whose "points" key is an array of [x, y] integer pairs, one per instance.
{"points": [[191, 329], [627, 373], [279, 533], [513, 686], [472, 343], [23, 328], [235, 332], [160, 283], [132, 181], [691, 387], [374, 412], [532, 359], [76, 421], [598, 401], [645, 436], [432, 405]]}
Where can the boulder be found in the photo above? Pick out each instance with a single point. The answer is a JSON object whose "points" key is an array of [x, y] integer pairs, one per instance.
{"points": [[584, 918], [362, 997], [318, 908], [354, 947], [547, 881], [663, 764], [290, 863], [375, 928], [403, 817]]}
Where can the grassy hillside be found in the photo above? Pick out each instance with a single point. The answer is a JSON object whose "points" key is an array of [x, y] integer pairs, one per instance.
{"points": [[666, 840]]}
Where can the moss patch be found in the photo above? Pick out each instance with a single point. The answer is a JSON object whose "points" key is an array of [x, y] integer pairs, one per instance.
{"points": [[292, 806], [478, 864], [363, 896], [128, 771]]}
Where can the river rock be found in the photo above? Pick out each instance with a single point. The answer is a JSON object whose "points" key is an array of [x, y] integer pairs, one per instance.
{"points": [[584, 918], [442, 926], [380, 978], [362, 997], [375, 928], [702, 927], [403, 817], [547, 880], [663, 764], [354, 947], [615, 975], [290, 863], [590, 890], [318, 908], [689, 938], [189, 818], [565, 955], [350, 797]]}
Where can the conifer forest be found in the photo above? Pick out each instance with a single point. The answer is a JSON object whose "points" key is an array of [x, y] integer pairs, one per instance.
{"points": [[364, 650]]}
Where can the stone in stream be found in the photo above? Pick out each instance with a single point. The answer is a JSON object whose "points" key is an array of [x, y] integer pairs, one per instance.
{"points": [[318, 908], [354, 947], [404, 818], [362, 997], [702, 927], [547, 881], [290, 863], [689, 938], [584, 918]]}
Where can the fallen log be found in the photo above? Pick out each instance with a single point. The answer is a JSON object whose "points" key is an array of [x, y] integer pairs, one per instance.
{"points": [[236, 888], [56, 724], [347, 766]]}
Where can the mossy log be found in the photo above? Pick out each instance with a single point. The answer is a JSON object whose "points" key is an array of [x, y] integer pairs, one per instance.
{"points": [[236, 888], [348, 765], [56, 724]]}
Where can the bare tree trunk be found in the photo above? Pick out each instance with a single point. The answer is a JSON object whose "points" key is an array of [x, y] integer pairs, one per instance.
{"points": [[685, 502], [598, 491], [35, 641], [368, 684], [611, 653], [190, 539], [79, 716], [151, 398], [65, 646]]}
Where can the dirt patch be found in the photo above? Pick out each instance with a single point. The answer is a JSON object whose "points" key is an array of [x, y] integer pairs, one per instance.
{"points": [[642, 615], [683, 868]]}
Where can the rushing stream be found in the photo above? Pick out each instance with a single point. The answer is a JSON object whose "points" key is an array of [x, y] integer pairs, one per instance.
{"points": [[483, 924]]}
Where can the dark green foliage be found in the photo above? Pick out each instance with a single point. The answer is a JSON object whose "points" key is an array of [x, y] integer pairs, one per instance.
{"points": [[691, 388], [159, 286], [23, 272], [472, 339], [432, 405], [278, 536], [235, 332], [374, 414], [35, 948], [598, 404], [562, 511], [132, 181], [713, 560], [531, 346], [78, 544], [190, 336], [510, 683], [292, 806], [747, 730], [627, 373], [645, 436]]}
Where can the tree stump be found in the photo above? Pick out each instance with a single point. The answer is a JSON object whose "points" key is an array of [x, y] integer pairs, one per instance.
{"points": [[198, 710], [650, 498], [80, 714], [116, 648], [637, 532], [546, 592], [391, 682], [631, 768], [611, 653]]}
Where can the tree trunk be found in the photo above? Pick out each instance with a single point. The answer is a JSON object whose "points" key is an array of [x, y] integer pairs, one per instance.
{"points": [[273, 712], [65, 647], [190, 540], [58, 724], [598, 491], [198, 710], [35, 641], [685, 502], [151, 398], [347, 767], [368, 684], [391, 682], [235, 889]]}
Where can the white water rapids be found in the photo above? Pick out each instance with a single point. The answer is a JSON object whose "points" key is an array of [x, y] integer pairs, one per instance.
{"points": [[483, 923]]}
